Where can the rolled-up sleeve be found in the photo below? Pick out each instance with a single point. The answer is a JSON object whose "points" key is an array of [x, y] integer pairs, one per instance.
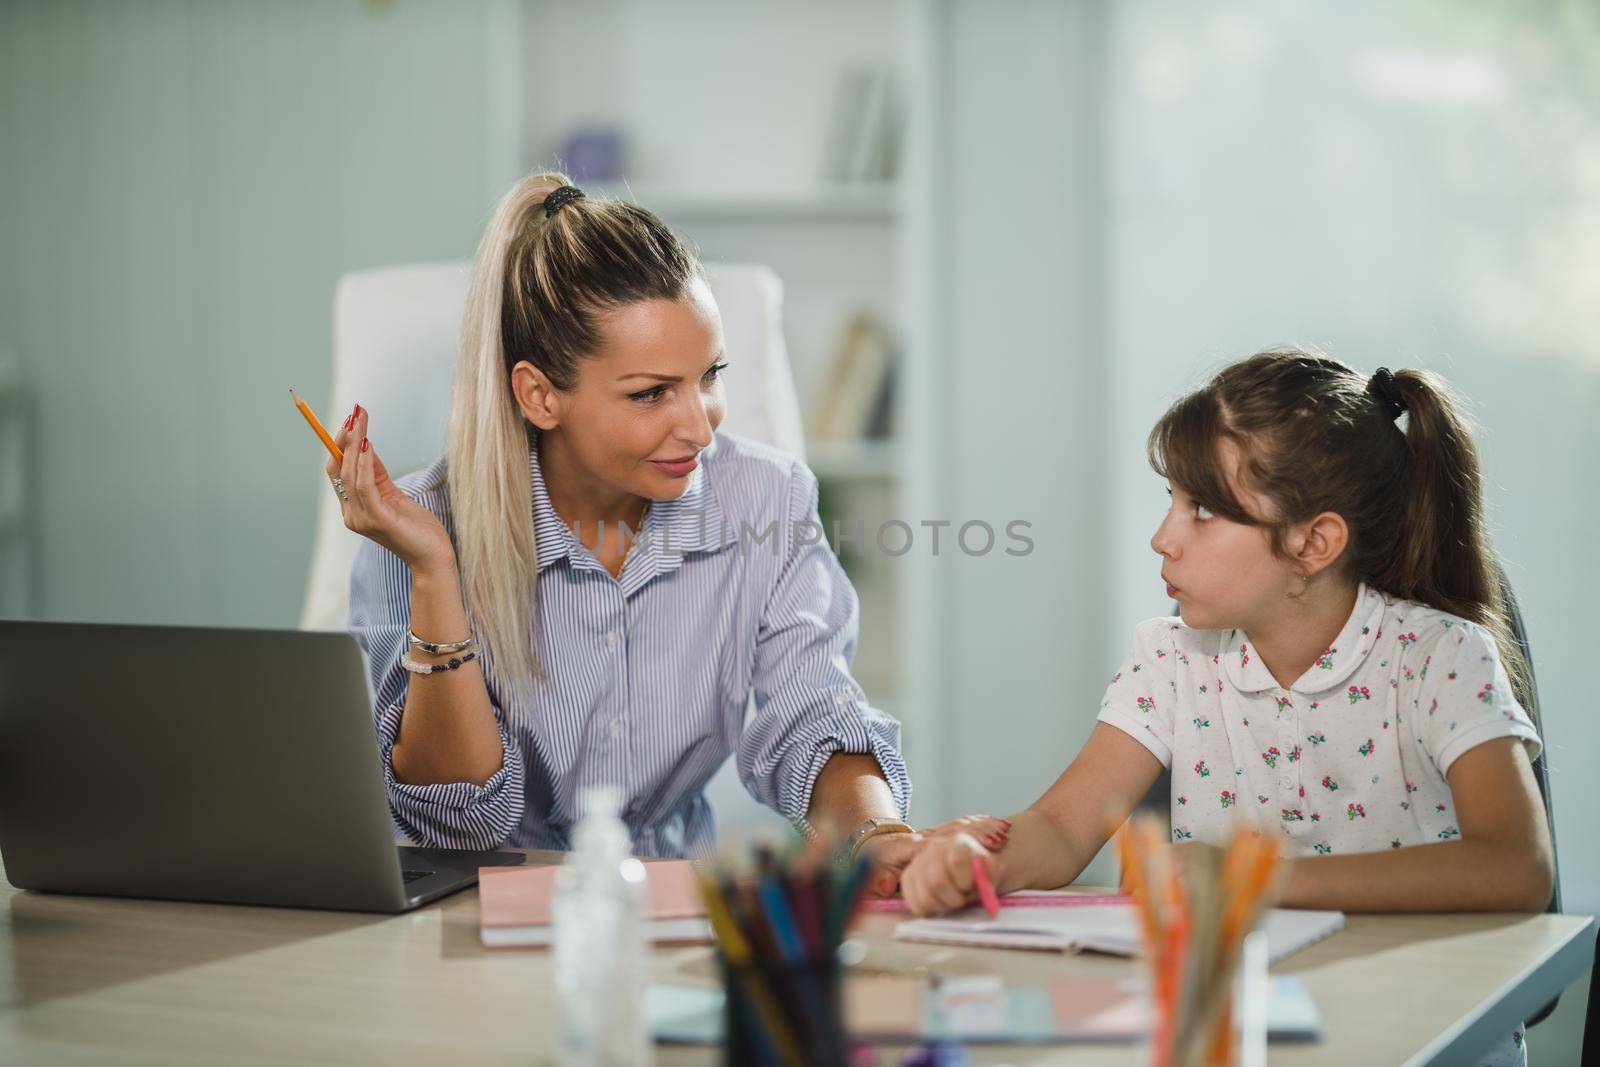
{"points": [[447, 815], [807, 704]]}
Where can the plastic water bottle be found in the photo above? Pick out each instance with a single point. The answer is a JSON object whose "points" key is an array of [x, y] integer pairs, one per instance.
{"points": [[600, 942]]}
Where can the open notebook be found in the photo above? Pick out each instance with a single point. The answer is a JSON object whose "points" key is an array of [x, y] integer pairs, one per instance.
{"points": [[516, 911], [1109, 928]]}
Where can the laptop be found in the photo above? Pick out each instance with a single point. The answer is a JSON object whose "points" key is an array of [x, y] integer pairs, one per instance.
{"points": [[234, 766]]}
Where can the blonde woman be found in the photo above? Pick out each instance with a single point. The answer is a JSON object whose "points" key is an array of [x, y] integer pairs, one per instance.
{"points": [[566, 598]]}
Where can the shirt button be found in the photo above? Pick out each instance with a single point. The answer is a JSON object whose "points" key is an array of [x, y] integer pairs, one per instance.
{"points": [[841, 697], [1287, 782], [616, 727], [611, 639]]}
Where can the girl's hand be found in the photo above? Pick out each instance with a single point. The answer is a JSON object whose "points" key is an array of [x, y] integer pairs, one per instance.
{"points": [[374, 508], [939, 879]]}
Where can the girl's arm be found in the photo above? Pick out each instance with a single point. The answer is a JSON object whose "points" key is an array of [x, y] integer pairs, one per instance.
{"points": [[1503, 860], [1051, 842]]}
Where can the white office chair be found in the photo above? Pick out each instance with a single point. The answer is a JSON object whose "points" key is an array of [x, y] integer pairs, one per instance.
{"points": [[394, 344]]}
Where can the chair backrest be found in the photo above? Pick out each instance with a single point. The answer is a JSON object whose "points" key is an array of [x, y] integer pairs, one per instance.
{"points": [[1528, 696], [394, 345]]}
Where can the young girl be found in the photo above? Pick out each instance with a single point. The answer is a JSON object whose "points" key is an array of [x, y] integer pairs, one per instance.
{"points": [[1341, 666]]}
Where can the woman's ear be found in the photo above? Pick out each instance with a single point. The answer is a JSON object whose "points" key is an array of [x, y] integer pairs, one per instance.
{"points": [[1320, 542], [539, 400]]}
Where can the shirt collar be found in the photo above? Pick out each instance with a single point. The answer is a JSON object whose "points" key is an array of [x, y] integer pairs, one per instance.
{"points": [[1336, 664], [693, 522]]}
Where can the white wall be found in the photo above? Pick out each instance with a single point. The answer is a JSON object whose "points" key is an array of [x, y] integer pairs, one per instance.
{"points": [[1011, 420], [184, 184]]}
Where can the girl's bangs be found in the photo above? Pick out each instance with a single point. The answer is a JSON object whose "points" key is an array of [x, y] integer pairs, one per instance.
{"points": [[1185, 449]]}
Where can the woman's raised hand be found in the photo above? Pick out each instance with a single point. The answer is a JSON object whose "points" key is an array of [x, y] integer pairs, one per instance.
{"points": [[375, 508]]}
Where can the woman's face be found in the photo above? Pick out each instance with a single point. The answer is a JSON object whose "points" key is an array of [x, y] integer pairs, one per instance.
{"points": [[646, 402]]}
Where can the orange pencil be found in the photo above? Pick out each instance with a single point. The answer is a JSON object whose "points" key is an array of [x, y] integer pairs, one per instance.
{"points": [[305, 409]]}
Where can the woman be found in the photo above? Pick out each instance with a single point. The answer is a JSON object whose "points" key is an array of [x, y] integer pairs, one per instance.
{"points": [[562, 651]]}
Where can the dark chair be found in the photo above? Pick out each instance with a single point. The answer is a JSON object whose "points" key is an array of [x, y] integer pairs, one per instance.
{"points": [[1528, 697], [1159, 800]]}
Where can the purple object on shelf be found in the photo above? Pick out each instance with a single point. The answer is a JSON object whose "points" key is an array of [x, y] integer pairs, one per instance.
{"points": [[593, 154]]}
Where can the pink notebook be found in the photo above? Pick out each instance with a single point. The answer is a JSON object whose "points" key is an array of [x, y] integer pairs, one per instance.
{"points": [[1026, 898], [514, 905]]}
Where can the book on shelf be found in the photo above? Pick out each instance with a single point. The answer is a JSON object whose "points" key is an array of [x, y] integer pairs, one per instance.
{"points": [[858, 398], [863, 140]]}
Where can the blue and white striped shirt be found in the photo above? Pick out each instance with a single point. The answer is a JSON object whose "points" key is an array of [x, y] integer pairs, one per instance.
{"points": [[649, 675]]}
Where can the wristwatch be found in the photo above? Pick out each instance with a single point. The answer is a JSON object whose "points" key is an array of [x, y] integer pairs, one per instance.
{"points": [[870, 829]]}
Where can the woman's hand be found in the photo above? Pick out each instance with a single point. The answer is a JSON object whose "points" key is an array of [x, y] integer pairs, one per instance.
{"points": [[891, 854], [375, 508], [939, 878]]}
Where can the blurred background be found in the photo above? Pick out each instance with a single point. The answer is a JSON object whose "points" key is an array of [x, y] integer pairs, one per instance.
{"points": [[1020, 228]]}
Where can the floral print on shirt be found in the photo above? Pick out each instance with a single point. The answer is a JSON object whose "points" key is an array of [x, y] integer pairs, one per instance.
{"points": [[1355, 751]]}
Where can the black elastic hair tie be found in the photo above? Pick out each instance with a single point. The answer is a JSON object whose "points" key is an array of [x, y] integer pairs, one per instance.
{"points": [[1387, 391], [553, 202]]}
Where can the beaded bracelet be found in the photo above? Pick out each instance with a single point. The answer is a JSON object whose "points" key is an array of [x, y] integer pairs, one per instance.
{"points": [[434, 668]]}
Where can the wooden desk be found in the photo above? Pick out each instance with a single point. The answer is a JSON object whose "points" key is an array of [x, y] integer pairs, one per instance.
{"points": [[89, 981]]}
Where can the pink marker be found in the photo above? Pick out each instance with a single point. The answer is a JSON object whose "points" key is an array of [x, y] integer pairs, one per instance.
{"points": [[991, 903]]}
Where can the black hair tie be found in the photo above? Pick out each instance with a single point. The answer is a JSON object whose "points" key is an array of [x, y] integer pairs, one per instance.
{"points": [[553, 202], [1387, 391]]}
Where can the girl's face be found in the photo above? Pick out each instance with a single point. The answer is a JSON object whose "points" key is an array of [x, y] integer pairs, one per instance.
{"points": [[1223, 574], [647, 401]]}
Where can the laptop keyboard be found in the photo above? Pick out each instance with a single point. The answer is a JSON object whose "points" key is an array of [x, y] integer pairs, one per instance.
{"points": [[411, 876]]}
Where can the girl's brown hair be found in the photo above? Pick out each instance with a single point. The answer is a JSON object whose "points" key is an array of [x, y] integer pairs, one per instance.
{"points": [[547, 270], [1313, 435]]}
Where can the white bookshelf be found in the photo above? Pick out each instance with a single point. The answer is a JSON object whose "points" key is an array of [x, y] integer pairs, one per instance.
{"points": [[876, 204], [854, 461], [741, 175]]}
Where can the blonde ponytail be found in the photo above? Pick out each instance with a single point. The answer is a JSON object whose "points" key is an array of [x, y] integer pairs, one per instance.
{"points": [[538, 284]]}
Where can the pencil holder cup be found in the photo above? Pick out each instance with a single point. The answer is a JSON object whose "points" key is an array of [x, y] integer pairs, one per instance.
{"points": [[782, 1014], [1233, 1032]]}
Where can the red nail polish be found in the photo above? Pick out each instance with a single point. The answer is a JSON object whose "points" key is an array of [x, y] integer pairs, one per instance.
{"points": [[349, 421], [359, 412], [363, 444]]}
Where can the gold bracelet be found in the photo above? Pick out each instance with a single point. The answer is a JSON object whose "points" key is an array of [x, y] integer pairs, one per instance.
{"points": [[875, 828], [441, 648]]}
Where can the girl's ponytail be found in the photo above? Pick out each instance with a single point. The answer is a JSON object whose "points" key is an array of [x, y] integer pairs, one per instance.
{"points": [[1444, 556]]}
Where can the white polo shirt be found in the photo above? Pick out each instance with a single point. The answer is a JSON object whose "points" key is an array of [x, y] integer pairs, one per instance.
{"points": [[1351, 758]]}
